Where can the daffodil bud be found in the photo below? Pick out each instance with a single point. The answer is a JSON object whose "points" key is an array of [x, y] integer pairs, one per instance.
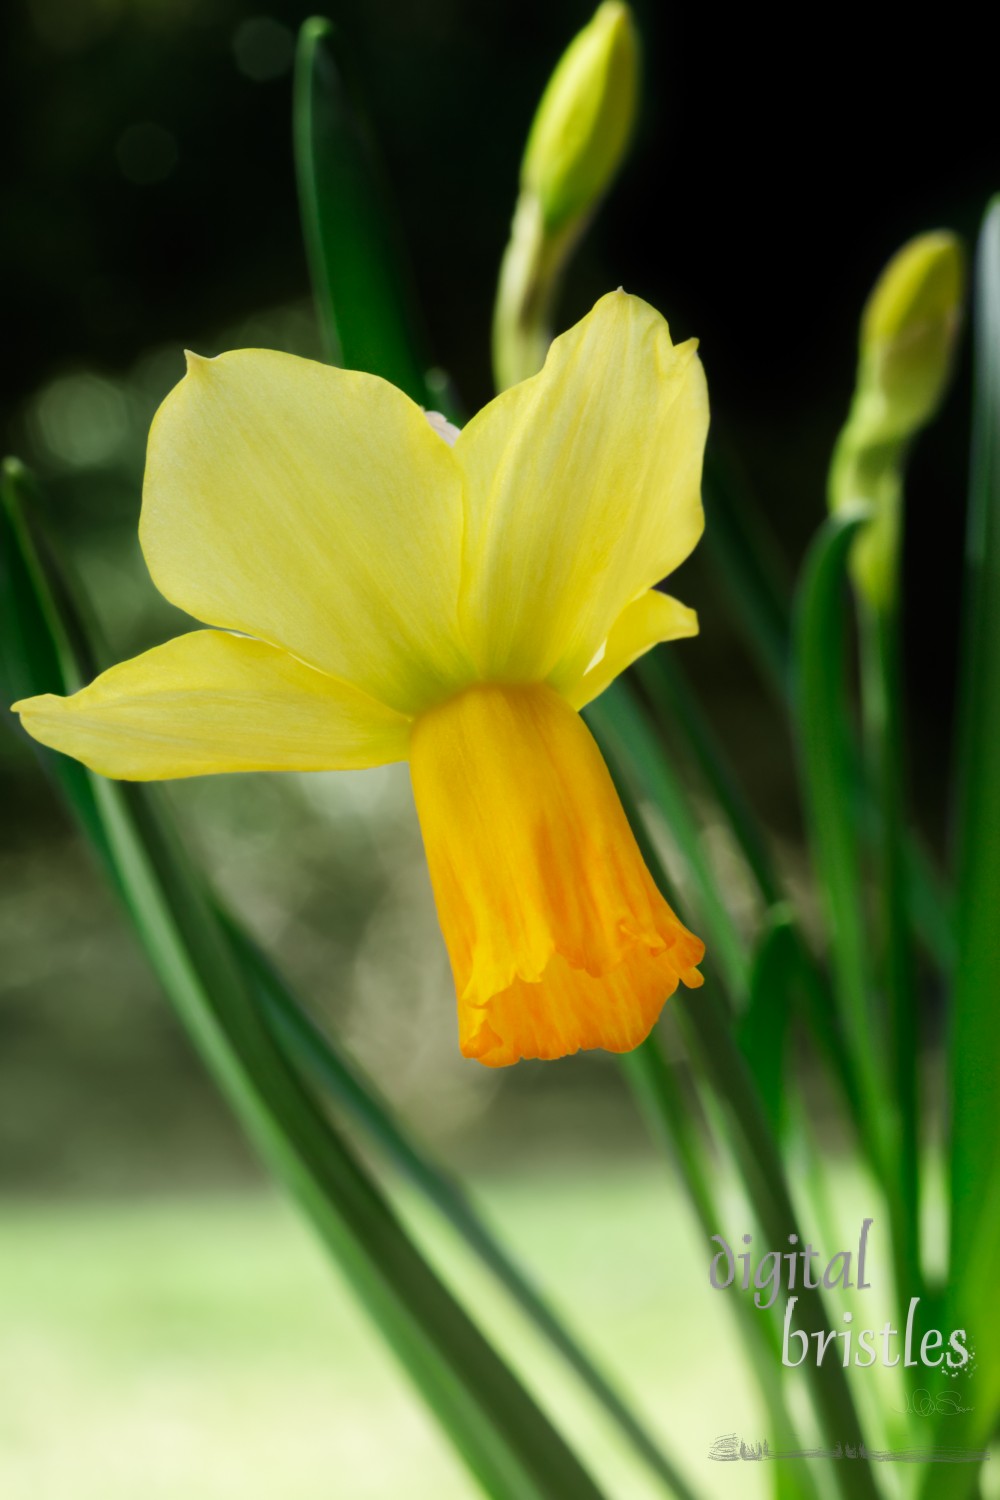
{"points": [[575, 146], [584, 121], [908, 333]]}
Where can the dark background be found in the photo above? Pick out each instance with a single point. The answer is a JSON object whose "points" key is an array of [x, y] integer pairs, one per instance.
{"points": [[148, 203]]}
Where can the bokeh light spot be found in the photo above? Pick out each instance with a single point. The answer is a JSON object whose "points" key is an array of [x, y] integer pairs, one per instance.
{"points": [[263, 48], [80, 420]]}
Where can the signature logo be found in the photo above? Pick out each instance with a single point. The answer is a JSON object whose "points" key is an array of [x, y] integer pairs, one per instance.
{"points": [[731, 1448], [921, 1403]]}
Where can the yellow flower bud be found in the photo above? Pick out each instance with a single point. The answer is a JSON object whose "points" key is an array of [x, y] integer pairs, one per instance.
{"points": [[577, 142], [584, 121], [908, 333]]}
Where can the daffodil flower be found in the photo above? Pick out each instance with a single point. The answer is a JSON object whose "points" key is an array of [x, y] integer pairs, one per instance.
{"points": [[384, 588]]}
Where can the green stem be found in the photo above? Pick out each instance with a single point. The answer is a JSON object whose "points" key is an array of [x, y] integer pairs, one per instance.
{"points": [[343, 1084], [881, 698], [824, 1020], [762, 1170], [673, 702], [617, 722], [708, 1029], [971, 1300], [529, 281], [504, 1438], [747, 558], [669, 1121], [827, 764], [828, 780]]}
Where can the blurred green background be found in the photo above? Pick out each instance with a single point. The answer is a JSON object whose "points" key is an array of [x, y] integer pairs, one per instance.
{"points": [[148, 204]]}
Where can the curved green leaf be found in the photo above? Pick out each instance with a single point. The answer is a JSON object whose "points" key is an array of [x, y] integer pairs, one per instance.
{"points": [[748, 559], [745, 554], [975, 1022], [344, 1085], [763, 1030], [707, 1029], [674, 703], [830, 785], [506, 1440], [362, 283], [829, 773], [882, 714], [618, 724]]}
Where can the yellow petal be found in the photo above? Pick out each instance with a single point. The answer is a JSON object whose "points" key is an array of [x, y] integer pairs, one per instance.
{"points": [[315, 508], [214, 702], [583, 490], [557, 934], [651, 618]]}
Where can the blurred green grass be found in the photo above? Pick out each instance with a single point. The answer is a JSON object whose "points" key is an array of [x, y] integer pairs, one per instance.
{"points": [[191, 1346]]}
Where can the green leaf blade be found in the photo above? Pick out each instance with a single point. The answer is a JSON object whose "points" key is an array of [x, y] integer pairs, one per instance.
{"points": [[506, 1440], [975, 1037], [708, 1029], [745, 554], [829, 772], [343, 1084], [618, 724], [362, 283]]}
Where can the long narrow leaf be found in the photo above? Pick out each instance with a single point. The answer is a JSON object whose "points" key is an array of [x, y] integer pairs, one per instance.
{"points": [[362, 282], [708, 1031], [507, 1442], [975, 1039], [830, 788], [650, 1078], [748, 560], [673, 703], [745, 555], [828, 766], [764, 1028], [344, 1085], [616, 720], [882, 714]]}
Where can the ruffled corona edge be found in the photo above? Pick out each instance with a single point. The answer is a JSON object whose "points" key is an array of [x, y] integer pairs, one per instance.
{"points": [[558, 936]]}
